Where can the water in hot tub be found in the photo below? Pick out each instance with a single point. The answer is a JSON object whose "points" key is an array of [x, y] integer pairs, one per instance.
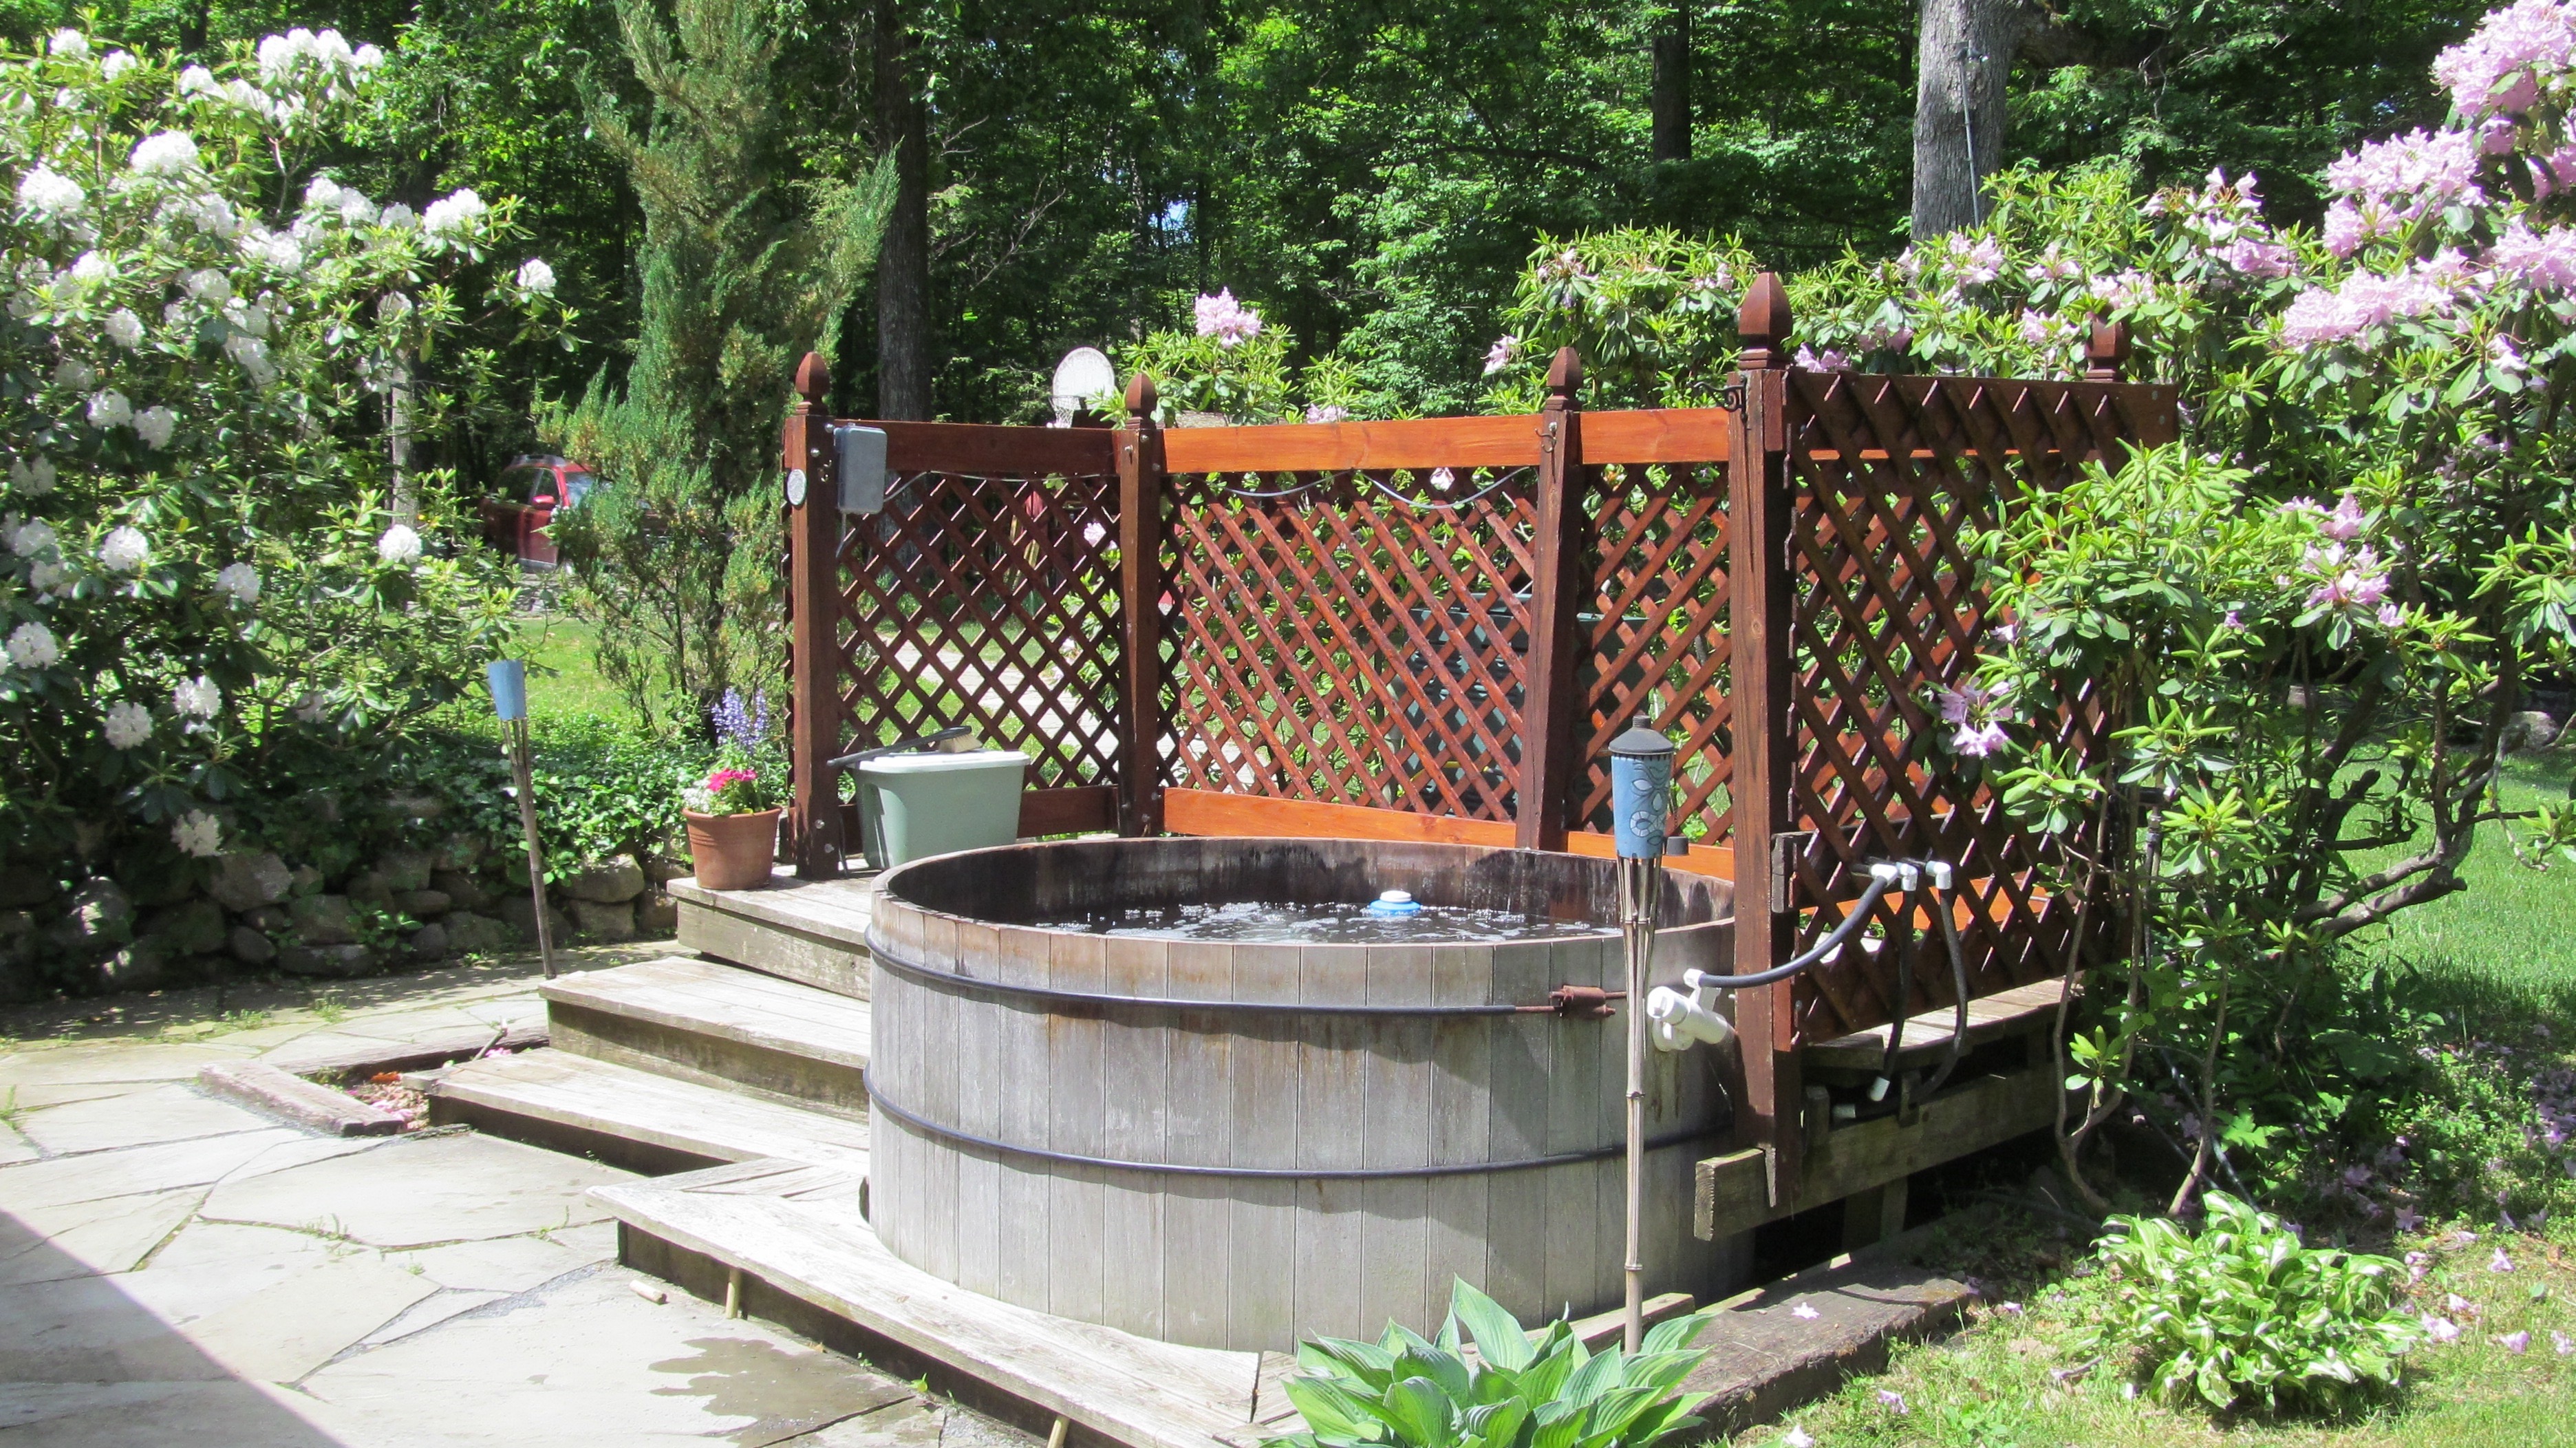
{"points": [[1330, 923]]}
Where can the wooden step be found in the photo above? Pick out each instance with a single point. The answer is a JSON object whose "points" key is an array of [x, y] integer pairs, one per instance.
{"points": [[796, 1233], [813, 932], [718, 1025], [636, 1119]]}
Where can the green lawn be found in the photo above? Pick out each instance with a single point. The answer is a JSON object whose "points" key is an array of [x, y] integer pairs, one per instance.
{"points": [[563, 669], [2514, 927]]}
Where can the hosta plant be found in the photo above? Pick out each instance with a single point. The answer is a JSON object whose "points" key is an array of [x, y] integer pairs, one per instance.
{"points": [[1517, 1391], [2243, 1314]]}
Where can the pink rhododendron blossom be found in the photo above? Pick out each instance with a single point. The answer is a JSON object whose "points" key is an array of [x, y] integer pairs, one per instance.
{"points": [[2544, 261], [2493, 70], [2427, 167], [2441, 1329], [1226, 319], [2052, 267], [1326, 412], [1500, 355], [2125, 289], [2516, 1343], [2554, 172], [2344, 524], [2256, 257], [1829, 360]]}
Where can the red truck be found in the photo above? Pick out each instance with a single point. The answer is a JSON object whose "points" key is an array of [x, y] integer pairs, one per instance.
{"points": [[525, 499]]}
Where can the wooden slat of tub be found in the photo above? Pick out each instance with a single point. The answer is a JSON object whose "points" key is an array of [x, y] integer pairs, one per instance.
{"points": [[1136, 1054], [1076, 1122], [1262, 1235], [1397, 1131]]}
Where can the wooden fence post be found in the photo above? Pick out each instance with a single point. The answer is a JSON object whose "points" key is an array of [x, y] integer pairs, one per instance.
{"points": [[1142, 491], [1551, 706], [813, 612], [1762, 593], [2106, 351]]}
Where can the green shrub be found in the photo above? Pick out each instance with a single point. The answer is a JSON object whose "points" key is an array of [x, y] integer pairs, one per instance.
{"points": [[2243, 1313], [1552, 1393]]}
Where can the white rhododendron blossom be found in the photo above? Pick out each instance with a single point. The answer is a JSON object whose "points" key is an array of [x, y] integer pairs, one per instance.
{"points": [[127, 725], [125, 550], [155, 426], [51, 195], [192, 304], [31, 539], [32, 646], [198, 697], [170, 153], [238, 582], [198, 834], [252, 354], [454, 216]]}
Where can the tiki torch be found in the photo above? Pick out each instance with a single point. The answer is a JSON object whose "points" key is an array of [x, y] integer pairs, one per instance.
{"points": [[1641, 793], [509, 679]]}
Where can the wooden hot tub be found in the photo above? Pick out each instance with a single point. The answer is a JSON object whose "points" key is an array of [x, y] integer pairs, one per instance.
{"points": [[1237, 1145]]}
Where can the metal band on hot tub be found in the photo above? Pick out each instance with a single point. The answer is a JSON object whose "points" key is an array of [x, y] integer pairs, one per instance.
{"points": [[877, 1102], [932, 975]]}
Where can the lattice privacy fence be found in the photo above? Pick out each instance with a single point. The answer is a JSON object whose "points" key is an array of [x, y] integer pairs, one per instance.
{"points": [[1432, 629]]}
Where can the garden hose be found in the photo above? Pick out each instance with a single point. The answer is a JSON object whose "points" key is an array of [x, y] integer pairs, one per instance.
{"points": [[1880, 877]]}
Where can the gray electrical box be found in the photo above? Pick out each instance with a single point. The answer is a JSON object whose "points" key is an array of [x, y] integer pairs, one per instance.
{"points": [[859, 461]]}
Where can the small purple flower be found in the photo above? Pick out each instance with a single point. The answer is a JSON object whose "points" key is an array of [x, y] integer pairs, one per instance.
{"points": [[1978, 741], [1892, 1401], [2409, 1220], [2441, 1329], [2499, 1262], [2345, 522], [2516, 1343]]}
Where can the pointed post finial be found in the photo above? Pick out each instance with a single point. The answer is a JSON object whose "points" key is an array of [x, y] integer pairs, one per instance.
{"points": [[813, 379], [2106, 352], [1762, 322], [1141, 397], [1564, 377]]}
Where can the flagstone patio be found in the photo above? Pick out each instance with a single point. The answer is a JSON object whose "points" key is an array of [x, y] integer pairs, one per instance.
{"points": [[175, 1268]]}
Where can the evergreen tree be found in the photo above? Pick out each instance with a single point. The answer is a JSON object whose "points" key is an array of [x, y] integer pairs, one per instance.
{"points": [[749, 250]]}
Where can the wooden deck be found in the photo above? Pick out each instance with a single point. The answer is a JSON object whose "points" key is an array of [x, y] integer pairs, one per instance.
{"points": [[798, 1228], [2022, 1010]]}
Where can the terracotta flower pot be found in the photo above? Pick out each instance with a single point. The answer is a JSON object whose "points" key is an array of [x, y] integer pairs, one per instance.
{"points": [[733, 852]]}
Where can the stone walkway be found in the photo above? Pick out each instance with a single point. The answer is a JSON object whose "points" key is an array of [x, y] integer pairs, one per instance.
{"points": [[176, 1269]]}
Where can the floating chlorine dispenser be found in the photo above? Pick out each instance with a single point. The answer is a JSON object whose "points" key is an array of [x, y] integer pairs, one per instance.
{"points": [[1395, 903]]}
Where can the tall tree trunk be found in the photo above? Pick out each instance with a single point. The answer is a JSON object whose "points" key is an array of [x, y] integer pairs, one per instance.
{"points": [[1963, 55], [1670, 101], [903, 265]]}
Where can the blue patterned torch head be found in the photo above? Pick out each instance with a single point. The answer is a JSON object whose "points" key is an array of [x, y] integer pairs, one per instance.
{"points": [[1641, 791]]}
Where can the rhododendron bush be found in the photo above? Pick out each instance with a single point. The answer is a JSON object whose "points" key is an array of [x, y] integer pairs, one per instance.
{"points": [[2314, 622], [206, 598]]}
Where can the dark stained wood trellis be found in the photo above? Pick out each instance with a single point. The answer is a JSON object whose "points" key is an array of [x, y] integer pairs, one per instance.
{"points": [[1431, 630]]}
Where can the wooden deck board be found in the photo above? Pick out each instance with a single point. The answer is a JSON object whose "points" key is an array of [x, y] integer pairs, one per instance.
{"points": [[722, 1001], [791, 1228], [2024, 1008], [836, 908], [586, 1095]]}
